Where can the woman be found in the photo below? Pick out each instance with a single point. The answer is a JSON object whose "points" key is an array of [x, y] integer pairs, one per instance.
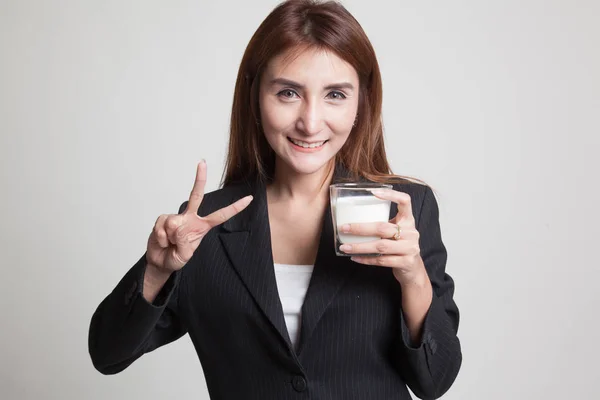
{"points": [[249, 271]]}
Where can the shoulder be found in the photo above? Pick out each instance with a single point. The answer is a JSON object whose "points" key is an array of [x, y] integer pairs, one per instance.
{"points": [[220, 198]]}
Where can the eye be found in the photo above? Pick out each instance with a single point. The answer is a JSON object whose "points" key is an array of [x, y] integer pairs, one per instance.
{"points": [[337, 95], [287, 93]]}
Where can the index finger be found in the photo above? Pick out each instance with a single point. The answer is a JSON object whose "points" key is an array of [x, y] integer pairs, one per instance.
{"points": [[222, 215], [197, 193], [403, 200]]}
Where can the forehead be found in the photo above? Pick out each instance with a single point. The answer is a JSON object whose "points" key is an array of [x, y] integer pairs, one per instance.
{"points": [[310, 64]]}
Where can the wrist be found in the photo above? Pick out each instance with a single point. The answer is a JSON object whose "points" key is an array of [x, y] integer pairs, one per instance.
{"points": [[416, 290], [416, 279], [155, 275], [154, 280]]}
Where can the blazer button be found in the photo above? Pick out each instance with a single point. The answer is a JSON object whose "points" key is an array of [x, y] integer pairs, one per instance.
{"points": [[428, 337], [299, 384], [433, 346]]}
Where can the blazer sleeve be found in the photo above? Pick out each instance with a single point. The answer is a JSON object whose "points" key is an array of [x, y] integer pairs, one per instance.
{"points": [[431, 366], [125, 325]]}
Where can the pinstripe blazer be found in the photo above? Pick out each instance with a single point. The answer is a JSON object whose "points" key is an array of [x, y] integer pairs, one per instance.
{"points": [[353, 344]]}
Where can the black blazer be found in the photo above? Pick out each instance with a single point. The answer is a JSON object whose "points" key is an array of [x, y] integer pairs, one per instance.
{"points": [[353, 343]]}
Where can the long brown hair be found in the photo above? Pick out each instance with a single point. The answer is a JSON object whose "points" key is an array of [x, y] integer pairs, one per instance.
{"points": [[297, 25]]}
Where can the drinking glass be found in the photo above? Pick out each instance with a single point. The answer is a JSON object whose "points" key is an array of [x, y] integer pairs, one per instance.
{"points": [[355, 203]]}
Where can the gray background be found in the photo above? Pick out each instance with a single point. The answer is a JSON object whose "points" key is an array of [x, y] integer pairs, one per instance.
{"points": [[107, 106]]}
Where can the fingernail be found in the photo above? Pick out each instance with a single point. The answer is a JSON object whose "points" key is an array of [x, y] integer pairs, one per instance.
{"points": [[203, 161], [377, 192], [345, 247], [346, 228]]}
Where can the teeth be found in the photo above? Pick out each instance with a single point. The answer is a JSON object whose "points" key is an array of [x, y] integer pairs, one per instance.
{"points": [[307, 145]]}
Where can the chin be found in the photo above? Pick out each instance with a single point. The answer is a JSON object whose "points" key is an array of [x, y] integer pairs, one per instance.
{"points": [[306, 167]]}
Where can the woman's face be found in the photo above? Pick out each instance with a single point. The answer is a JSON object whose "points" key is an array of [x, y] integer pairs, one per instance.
{"points": [[308, 106]]}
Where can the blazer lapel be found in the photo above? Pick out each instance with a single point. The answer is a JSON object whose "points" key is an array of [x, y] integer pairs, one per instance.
{"points": [[247, 241], [329, 274]]}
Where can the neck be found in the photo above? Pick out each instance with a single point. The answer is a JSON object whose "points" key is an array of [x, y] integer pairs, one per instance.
{"points": [[290, 185]]}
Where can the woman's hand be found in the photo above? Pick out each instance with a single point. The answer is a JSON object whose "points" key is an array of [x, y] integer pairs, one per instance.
{"points": [[176, 237], [399, 246]]}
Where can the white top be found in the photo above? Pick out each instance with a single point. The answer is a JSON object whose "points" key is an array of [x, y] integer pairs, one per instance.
{"points": [[292, 283]]}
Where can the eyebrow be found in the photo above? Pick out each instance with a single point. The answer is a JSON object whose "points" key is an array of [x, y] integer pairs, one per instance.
{"points": [[287, 82]]}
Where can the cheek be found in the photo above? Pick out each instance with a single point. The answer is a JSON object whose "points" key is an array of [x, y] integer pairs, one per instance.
{"points": [[275, 121], [343, 117], [275, 117], [341, 125]]}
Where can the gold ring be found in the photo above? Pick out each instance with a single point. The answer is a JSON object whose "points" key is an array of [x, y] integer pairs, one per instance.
{"points": [[398, 233]]}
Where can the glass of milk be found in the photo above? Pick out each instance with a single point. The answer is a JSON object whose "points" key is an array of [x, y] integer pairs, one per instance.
{"points": [[355, 203]]}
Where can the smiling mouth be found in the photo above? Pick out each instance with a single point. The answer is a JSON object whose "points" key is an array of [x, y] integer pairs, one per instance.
{"points": [[307, 145]]}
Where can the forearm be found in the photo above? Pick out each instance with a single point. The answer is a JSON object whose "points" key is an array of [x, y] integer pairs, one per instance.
{"points": [[124, 325], [154, 281], [416, 300], [430, 355]]}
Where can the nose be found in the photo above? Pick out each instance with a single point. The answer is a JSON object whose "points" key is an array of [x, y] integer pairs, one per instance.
{"points": [[311, 118]]}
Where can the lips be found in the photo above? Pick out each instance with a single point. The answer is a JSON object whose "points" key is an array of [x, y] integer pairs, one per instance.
{"points": [[307, 145]]}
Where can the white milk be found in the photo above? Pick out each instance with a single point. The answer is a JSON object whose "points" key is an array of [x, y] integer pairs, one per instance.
{"points": [[353, 209]]}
